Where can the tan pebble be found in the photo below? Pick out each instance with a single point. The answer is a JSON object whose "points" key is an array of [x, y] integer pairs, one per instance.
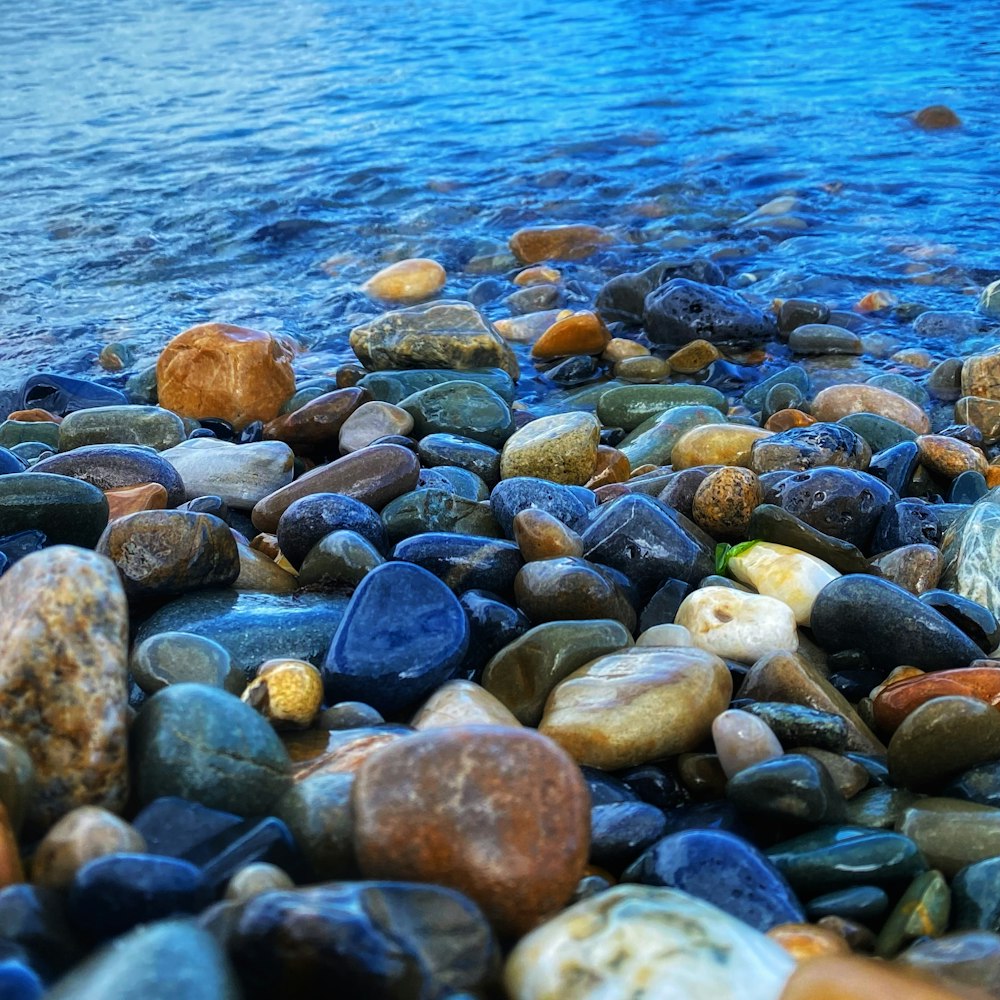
{"points": [[286, 692], [406, 282], [948, 457], [259, 573], [914, 357], [725, 500], [611, 491], [561, 448], [716, 444], [805, 942], [694, 357], [267, 544], [843, 977], [621, 347], [642, 370], [742, 740], [131, 499], [665, 635], [936, 116], [579, 333], [462, 703], [528, 328], [257, 878], [34, 416], [841, 400], [537, 276], [540, 535], [603, 478], [993, 476], [614, 461], [642, 470], [785, 420], [874, 301], [535, 244], [81, 836], [371, 421]]}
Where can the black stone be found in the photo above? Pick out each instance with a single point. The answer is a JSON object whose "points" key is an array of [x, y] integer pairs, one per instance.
{"points": [[605, 788], [311, 518], [623, 298], [574, 371], [907, 522], [661, 609], [621, 831], [658, 786], [800, 726], [68, 511], [452, 449], [977, 622], [895, 466], [464, 562], [62, 394], [771, 523], [493, 624], [791, 787]]}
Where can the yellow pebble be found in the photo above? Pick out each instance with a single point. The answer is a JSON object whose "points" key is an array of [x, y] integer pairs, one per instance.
{"points": [[288, 693]]}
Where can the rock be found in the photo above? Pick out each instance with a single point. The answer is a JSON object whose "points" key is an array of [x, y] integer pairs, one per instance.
{"points": [[561, 448], [256, 879], [694, 357], [914, 568], [571, 588], [63, 649], [771, 523], [948, 457], [17, 781], [206, 745], [936, 116], [287, 692], [623, 297], [532, 245], [964, 960], [492, 625], [151, 426], [840, 400], [540, 535], [823, 338], [722, 444], [66, 510], [437, 510], [974, 896], [394, 386], [681, 310], [922, 911], [863, 903], [162, 553], [736, 625], [806, 728], [951, 833], [463, 562], [628, 406], [339, 558], [260, 574], [971, 548], [725, 500], [133, 499], [518, 854], [406, 282], [314, 425], [454, 450], [461, 407], [62, 394], [895, 701], [791, 787], [402, 635], [652, 442], [689, 948], [462, 703], [512, 496], [229, 372], [637, 705], [742, 740], [181, 657], [620, 831], [906, 523], [317, 811], [805, 942], [579, 333], [442, 334], [308, 520], [809, 447], [891, 626], [836, 977], [369, 422]]}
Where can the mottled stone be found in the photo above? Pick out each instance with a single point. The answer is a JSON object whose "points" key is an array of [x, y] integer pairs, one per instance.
{"points": [[948, 457], [460, 407], [152, 426], [915, 568], [839, 400], [984, 414], [63, 650], [287, 692], [184, 658], [653, 441], [561, 448], [406, 282], [569, 242], [922, 910]]}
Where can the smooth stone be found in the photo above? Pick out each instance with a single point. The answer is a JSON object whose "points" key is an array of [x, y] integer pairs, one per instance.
{"points": [[459, 407], [642, 370], [971, 548], [681, 310], [906, 523], [523, 673], [823, 338], [896, 466], [308, 520], [184, 658], [253, 627], [981, 375], [863, 903], [637, 705], [539, 535], [742, 740], [455, 450], [259, 573], [806, 942], [964, 960], [620, 831], [802, 448], [983, 414], [561, 448], [371, 421], [902, 385], [18, 981], [9, 462], [977, 784], [880, 807], [317, 811], [665, 635], [462, 703], [723, 869], [68, 511], [968, 487], [341, 558], [949, 457], [463, 562], [406, 282], [132, 499], [792, 787], [17, 781], [442, 334], [973, 619], [433, 509], [623, 297], [835, 857], [109, 466], [736, 625], [922, 911], [162, 553], [65, 608], [888, 624], [799, 726], [838, 401], [511, 496], [628, 406], [455, 480], [975, 899], [20, 544], [837, 977], [256, 879], [62, 394], [880, 433], [152, 426], [518, 854], [647, 541], [534, 298], [379, 939], [952, 833], [287, 692], [376, 656], [393, 386], [725, 500], [652, 442], [572, 588], [493, 624], [534, 244], [914, 568], [205, 745], [794, 375], [579, 333], [160, 961], [242, 475], [18, 432], [374, 475], [716, 444], [772, 523]]}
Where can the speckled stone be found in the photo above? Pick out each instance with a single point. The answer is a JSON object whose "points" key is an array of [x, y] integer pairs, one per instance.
{"points": [[561, 448], [618, 942], [724, 502], [287, 692], [949, 457], [915, 568], [818, 444], [518, 854], [460, 407], [63, 651], [952, 833]]}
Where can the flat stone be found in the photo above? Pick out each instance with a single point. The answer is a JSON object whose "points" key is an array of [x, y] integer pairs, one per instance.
{"points": [[406, 282], [628, 406], [792, 787], [839, 400], [369, 422], [65, 510], [771, 523], [152, 426], [568, 242]]}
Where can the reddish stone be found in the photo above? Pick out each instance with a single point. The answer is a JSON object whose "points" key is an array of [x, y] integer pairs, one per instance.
{"points": [[11, 870], [338, 752], [317, 424], [132, 499], [34, 416], [849, 978], [502, 815], [895, 702]]}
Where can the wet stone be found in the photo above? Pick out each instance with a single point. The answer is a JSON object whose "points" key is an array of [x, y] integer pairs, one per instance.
{"points": [[463, 452], [906, 523], [652, 442], [437, 510], [65, 510], [896, 465], [914, 568], [620, 831], [341, 558], [629, 406], [952, 834], [863, 903], [623, 297], [305, 522], [791, 787], [512, 496], [572, 588], [561, 448], [971, 547], [317, 811], [454, 480], [961, 959], [493, 624], [458, 407], [975, 896], [771, 523], [808, 447], [977, 622], [923, 910], [462, 703], [823, 338], [463, 562], [840, 400], [137, 425], [62, 394], [182, 658], [724, 502], [539, 535], [369, 422], [394, 386], [798, 725]]}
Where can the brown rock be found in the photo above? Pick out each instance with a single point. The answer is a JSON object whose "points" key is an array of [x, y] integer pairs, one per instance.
{"points": [[11, 869], [63, 665], [981, 413], [374, 475], [981, 375], [34, 416], [614, 461], [259, 572], [533, 245], [132, 499], [407, 281], [725, 500], [83, 835], [619, 348], [500, 814], [317, 424], [915, 568], [807, 941], [936, 116], [463, 703], [642, 370], [579, 333], [841, 977], [785, 420], [317, 752], [537, 276], [840, 400], [541, 535], [716, 444], [288, 693], [230, 372], [370, 421], [949, 457], [694, 356]]}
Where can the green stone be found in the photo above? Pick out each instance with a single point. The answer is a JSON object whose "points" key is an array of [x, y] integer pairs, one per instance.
{"points": [[524, 672], [654, 439], [66, 510], [951, 833], [791, 787], [770, 523], [433, 509], [13, 432], [393, 386], [754, 397], [880, 807], [628, 406], [921, 911], [976, 896], [184, 658], [902, 386], [143, 425], [340, 558], [17, 780], [863, 903], [880, 432], [460, 407], [801, 726], [318, 814]]}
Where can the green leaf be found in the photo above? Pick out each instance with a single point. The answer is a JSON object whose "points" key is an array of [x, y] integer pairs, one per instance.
{"points": [[724, 553]]}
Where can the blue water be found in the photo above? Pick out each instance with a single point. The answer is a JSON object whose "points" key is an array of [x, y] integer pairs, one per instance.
{"points": [[165, 163]]}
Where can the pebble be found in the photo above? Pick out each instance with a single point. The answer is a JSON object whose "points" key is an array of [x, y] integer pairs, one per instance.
{"points": [[579, 333], [406, 282], [149, 426], [459, 407], [532, 245], [964, 960], [561, 448], [722, 444], [288, 693], [369, 422], [462, 703], [840, 400], [743, 740], [568, 588], [307, 521], [464, 562], [836, 977], [724, 502], [950, 833], [540, 535], [64, 509], [132, 499], [183, 657], [629, 406]]}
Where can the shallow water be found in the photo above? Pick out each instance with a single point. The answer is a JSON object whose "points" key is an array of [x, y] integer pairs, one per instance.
{"points": [[164, 164]]}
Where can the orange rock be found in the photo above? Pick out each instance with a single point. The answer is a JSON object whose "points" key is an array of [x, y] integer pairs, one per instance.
{"points": [[874, 301], [948, 457], [317, 424], [641, 470], [840, 400], [406, 282], [805, 942], [785, 420], [498, 813], [34, 416], [850, 978], [614, 461], [131, 499], [533, 245], [992, 476], [896, 702], [716, 444], [267, 544], [11, 870], [541, 535], [580, 333], [936, 116], [537, 276], [231, 372], [694, 356], [896, 675]]}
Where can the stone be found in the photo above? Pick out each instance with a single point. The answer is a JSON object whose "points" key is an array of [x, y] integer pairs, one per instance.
{"points": [[722, 444], [840, 400], [532, 245], [402, 635], [206, 745], [791, 787], [314, 425], [17, 781], [435, 509], [393, 386], [936, 116], [801, 448], [948, 457], [637, 705], [742, 740], [68, 511], [906, 523], [340, 558], [561, 448], [878, 432], [63, 649], [836, 977], [896, 701], [951, 833], [462, 703], [572, 588], [261, 574], [579, 333], [629, 406], [975, 903], [540, 535], [694, 357], [229, 372], [914, 568], [459, 407], [620, 831], [151, 426], [805, 942], [162, 553], [797, 726], [770, 523], [37, 433], [968, 960], [305, 522], [182, 657], [440, 334], [255, 879], [863, 903], [922, 910], [725, 500], [891, 626], [287, 692], [369, 422], [132, 499], [652, 442], [983, 414], [736, 625], [406, 282], [622, 299], [518, 854], [463, 562], [317, 812], [680, 310], [970, 549], [823, 338]]}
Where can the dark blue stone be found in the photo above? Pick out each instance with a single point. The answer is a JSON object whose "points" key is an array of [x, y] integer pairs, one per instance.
{"points": [[62, 394], [724, 870], [648, 542], [715, 815], [174, 827], [620, 831], [681, 310], [977, 622], [453, 449], [865, 903], [968, 487], [311, 518], [895, 466], [661, 609], [115, 893], [573, 371], [606, 788], [18, 981], [403, 634], [455, 480], [512, 496], [493, 624], [33, 918], [976, 897], [464, 562], [658, 787], [21, 544], [9, 462], [908, 522]]}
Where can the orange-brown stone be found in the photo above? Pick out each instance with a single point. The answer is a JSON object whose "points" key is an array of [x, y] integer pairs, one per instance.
{"points": [[694, 356], [132, 499], [937, 116], [895, 702], [34, 416], [338, 752], [11, 870], [805, 942], [948, 457], [619, 348], [851, 978], [317, 424], [537, 276], [407, 281], [541, 535], [614, 461], [500, 814], [785, 420], [875, 301], [231, 372], [840, 400], [580, 333], [533, 245]]}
